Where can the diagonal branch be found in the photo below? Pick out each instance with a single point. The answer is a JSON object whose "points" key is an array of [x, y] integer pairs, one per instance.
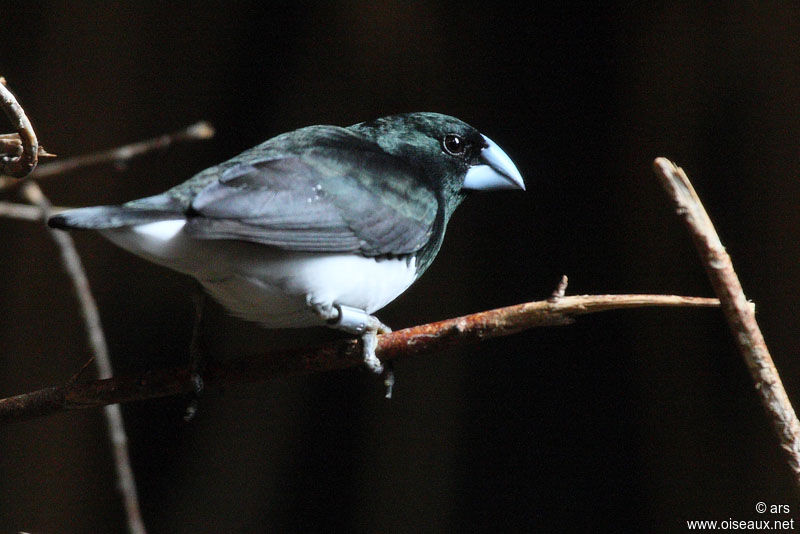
{"points": [[738, 311], [97, 341], [198, 131], [22, 212], [418, 340], [12, 146]]}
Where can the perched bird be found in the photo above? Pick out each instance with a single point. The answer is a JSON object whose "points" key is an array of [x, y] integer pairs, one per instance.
{"points": [[323, 225]]}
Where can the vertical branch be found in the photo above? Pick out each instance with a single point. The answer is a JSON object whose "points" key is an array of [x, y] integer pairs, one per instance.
{"points": [[738, 311], [97, 341]]}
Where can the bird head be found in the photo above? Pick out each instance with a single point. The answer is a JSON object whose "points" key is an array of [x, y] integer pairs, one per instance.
{"points": [[453, 155]]}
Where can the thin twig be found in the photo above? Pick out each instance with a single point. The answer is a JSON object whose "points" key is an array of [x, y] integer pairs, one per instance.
{"points": [[424, 339], [11, 147], [22, 165], [80, 371], [23, 212], [738, 311], [97, 341], [196, 132]]}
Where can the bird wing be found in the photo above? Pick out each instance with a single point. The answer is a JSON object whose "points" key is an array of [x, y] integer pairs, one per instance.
{"points": [[327, 198]]}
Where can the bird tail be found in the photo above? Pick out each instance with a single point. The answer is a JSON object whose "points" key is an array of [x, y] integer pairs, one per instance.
{"points": [[107, 217]]}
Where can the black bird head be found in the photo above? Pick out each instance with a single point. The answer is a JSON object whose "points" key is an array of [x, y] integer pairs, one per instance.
{"points": [[454, 156]]}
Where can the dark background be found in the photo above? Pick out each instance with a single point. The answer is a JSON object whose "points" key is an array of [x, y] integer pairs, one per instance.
{"points": [[626, 421]]}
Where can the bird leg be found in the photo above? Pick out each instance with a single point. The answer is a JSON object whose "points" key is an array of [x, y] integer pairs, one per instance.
{"points": [[323, 309], [367, 326], [196, 356], [354, 321]]}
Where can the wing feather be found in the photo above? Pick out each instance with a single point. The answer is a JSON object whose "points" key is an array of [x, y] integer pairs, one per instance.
{"points": [[354, 198]]}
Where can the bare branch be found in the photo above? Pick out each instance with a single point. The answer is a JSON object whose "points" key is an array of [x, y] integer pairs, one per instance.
{"points": [[424, 339], [10, 145], [23, 164], [738, 311], [74, 267], [23, 212], [97, 341], [196, 132], [18, 158]]}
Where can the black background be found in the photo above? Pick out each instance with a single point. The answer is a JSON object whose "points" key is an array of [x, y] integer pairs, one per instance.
{"points": [[626, 421]]}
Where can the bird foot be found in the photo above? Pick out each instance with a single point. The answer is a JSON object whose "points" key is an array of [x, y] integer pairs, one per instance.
{"points": [[357, 321], [388, 379], [369, 342]]}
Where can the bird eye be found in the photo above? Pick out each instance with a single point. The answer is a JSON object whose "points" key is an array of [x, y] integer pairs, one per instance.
{"points": [[454, 145]]}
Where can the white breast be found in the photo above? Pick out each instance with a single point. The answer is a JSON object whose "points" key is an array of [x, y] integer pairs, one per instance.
{"points": [[267, 285]]}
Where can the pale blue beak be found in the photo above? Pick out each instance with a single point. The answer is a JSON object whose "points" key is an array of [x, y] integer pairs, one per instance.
{"points": [[496, 171]]}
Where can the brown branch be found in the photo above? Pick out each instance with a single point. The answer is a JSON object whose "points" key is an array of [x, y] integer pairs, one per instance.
{"points": [[18, 157], [74, 267], [23, 164], [22, 212], [738, 311], [198, 131], [97, 341], [424, 339]]}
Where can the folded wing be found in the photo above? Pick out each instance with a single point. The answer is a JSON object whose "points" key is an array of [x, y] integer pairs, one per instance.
{"points": [[324, 199]]}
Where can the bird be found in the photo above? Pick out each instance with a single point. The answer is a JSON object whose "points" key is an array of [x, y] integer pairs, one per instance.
{"points": [[319, 226]]}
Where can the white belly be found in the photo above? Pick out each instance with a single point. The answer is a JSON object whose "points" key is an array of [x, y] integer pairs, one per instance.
{"points": [[265, 284]]}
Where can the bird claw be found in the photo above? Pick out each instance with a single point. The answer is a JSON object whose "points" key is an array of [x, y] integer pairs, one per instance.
{"points": [[388, 379], [357, 321], [369, 342]]}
